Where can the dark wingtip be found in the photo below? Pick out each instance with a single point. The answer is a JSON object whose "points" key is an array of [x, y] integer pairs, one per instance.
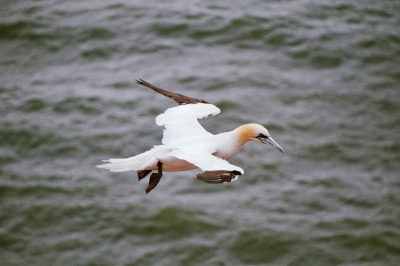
{"points": [[179, 98], [218, 176], [141, 81]]}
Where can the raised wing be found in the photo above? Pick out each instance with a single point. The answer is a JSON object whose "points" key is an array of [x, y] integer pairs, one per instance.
{"points": [[179, 98], [181, 123]]}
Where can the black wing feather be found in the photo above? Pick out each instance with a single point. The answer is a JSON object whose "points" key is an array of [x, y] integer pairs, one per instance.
{"points": [[179, 98]]}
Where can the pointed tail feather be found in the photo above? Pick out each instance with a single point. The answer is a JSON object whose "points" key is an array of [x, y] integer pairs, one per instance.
{"points": [[142, 161]]}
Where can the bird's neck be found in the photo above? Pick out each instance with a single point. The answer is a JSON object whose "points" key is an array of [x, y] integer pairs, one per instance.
{"points": [[229, 144], [243, 134]]}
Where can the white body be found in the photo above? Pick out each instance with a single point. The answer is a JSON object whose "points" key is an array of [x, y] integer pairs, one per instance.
{"points": [[222, 146], [187, 145]]}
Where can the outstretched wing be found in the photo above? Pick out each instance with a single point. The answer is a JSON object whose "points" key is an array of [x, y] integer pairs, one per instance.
{"points": [[205, 160], [216, 170], [180, 122], [179, 98]]}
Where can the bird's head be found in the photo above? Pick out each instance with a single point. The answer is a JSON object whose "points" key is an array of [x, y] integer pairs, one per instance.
{"points": [[257, 133]]}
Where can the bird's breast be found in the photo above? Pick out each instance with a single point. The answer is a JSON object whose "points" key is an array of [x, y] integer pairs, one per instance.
{"points": [[227, 152], [226, 145]]}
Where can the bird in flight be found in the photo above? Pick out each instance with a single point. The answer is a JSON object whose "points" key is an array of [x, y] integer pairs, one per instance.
{"points": [[186, 145]]}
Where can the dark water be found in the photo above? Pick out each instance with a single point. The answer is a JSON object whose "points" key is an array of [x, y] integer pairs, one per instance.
{"points": [[322, 76]]}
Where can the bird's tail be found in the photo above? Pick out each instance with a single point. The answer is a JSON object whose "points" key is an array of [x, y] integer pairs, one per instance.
{"points": [[144, 161]]}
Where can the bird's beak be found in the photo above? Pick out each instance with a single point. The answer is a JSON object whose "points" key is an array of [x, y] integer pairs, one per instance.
{"points": [[272, 142]]}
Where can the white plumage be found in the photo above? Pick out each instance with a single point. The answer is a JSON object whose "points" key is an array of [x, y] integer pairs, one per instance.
{"points": [[181, 122], [187, 145]]}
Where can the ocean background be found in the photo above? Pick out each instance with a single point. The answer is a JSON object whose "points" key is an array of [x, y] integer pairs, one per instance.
{"points": [[322, 76]]}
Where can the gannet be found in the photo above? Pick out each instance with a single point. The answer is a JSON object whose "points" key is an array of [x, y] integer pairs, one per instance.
{"points": [[186, 145]]}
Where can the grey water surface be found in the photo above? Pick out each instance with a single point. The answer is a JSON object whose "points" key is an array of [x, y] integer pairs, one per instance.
{"points": [[322, 76]]}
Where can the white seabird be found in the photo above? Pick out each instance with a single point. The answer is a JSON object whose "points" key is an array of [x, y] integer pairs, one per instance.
{"points": [[187, 145]]}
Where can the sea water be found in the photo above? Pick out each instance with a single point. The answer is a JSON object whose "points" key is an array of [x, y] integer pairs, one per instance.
{"points": [[322, 76]]}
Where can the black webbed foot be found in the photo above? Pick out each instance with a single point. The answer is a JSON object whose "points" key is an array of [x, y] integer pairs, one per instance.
{"points": [[142, 174], [154, 178]]}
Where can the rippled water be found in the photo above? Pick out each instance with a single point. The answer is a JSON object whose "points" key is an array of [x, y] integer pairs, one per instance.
{"points": [[322, 76]]}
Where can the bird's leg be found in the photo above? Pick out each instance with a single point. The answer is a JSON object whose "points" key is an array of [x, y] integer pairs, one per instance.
{"points": [[155, 178], [142, 174]]}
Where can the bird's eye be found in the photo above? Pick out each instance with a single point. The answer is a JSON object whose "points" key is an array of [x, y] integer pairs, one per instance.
{"points": [[261, 135]]}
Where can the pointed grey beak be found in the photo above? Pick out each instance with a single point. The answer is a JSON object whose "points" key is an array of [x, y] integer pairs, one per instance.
{"points": [[272, 142]]}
